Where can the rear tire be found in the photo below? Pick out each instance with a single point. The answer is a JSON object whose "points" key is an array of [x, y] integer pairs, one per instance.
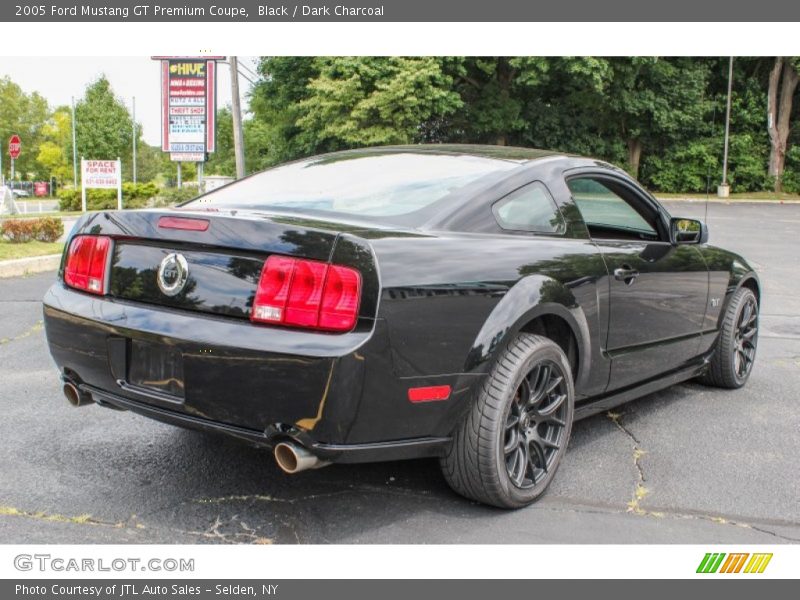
{"points": [[507, 448], [735, 349]]}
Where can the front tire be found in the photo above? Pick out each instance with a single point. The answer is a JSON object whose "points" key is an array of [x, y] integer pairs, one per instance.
{"points": [[507, 448], [735, 349]]}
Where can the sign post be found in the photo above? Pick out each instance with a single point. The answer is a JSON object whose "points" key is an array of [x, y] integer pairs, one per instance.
{"points": [[14, 149], [101, 174]]}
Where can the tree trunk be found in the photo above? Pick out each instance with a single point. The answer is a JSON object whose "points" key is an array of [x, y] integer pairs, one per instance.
{"points": [[634, 156], [783, 80]]}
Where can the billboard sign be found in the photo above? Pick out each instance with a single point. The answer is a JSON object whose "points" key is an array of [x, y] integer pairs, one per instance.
{"points": [[101, 174], [188, 105]]}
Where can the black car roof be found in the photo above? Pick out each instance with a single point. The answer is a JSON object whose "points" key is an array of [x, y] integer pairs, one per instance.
{"points": [[508, 153]]}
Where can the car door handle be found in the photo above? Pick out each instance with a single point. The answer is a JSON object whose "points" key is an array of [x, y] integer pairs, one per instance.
{"points": [[626, 274]]}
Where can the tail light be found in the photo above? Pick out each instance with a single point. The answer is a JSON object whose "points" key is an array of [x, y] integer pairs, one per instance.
{"points": [[87, 263], [307, 293]]}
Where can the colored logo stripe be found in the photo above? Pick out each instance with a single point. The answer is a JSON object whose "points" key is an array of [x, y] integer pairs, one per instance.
{"points": [[758, 563], [733, 564], [710, 562]]}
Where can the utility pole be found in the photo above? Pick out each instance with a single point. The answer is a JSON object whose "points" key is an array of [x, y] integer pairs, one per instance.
{"points": [[724, 190], [74, 149], [236, 109], [134, 140]]}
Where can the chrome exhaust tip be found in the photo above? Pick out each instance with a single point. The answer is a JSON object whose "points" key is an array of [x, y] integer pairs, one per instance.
{"points": [[74, 396], [292, 458]]}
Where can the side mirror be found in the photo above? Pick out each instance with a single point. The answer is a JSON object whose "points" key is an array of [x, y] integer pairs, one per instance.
{"points": [[688, 231]]}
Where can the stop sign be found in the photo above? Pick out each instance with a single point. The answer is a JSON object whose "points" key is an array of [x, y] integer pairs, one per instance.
{"points": [[14, 146]]}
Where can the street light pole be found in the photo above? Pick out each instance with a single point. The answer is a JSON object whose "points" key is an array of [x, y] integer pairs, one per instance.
{"points": [[236, 110], [74, 149], [134, 140], [724, 189]]}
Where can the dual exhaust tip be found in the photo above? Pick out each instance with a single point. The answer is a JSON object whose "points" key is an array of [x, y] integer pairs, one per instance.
{"points": [[291, 457], [74, 396]]}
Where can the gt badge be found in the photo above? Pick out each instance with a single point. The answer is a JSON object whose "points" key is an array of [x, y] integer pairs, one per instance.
{"points": [[172, 274]]}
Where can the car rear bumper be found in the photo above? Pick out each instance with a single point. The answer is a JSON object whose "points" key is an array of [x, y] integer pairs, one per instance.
{"points": [[236, 376], [338, 453]]}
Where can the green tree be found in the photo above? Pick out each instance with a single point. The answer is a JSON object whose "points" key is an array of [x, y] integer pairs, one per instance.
{"points": [[104, 127], [25, 115], [358, 101], [55, 151]]}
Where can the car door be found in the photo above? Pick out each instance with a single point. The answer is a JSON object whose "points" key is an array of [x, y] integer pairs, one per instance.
{"points": [[657, 290]]}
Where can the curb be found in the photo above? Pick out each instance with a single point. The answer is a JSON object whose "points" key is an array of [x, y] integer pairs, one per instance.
{"points": [[26, 266], [715, 200]]}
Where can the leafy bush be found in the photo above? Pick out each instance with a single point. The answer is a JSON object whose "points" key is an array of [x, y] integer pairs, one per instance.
{"points": [[172, 196], [133, 196], [46, 229], [791, 176], [684, 168], [19, 231], [49, 229]]}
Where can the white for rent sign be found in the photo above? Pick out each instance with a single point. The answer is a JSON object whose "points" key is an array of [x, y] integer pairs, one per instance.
{"points": [[101, 174]]}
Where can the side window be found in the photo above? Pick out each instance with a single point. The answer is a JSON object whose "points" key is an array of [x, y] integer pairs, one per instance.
{"points": [[530, 208], [606, 212]]}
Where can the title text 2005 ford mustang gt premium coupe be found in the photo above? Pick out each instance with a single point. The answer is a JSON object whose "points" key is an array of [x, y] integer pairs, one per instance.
{"points": [[463, 302]]}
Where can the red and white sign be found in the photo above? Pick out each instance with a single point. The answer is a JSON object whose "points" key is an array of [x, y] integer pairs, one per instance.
{"points": [[41, 188], [103, 174], [14, 146], [188, 105]]}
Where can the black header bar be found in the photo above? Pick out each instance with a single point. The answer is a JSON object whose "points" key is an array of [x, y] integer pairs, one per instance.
{"points": [[400, 11]]}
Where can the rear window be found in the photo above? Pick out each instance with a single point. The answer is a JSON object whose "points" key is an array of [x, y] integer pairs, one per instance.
{"points": [[372, 185]]}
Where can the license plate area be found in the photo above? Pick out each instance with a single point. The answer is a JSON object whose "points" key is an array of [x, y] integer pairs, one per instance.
{"points": [[156, 367]]}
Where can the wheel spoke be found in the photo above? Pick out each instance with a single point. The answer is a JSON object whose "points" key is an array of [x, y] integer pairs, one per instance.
{"points": [[749, 334], [539, 384], [749, 354], [553, 384], [512, 443], [737, 362], [553, 407], [538, 451], [520, 465], [548, 444], [747, 312]]}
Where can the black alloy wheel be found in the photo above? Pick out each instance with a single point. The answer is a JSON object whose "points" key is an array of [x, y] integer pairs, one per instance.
{"points": [[507, 448], [536, 424], [735, 350], [746, 337]]}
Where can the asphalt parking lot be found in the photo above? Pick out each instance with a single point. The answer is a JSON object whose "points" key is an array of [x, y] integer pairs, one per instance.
{"points": [[687, 465]]}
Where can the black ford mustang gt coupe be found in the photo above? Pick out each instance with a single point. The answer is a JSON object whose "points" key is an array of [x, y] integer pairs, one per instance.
{"points": [[462, 302]]}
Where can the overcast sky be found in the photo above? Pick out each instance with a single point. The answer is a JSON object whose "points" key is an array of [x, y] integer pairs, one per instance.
{"points": [[60, 78]]}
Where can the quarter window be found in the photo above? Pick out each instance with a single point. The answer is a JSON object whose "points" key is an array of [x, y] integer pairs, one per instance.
{"points": [[530, 208]]}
